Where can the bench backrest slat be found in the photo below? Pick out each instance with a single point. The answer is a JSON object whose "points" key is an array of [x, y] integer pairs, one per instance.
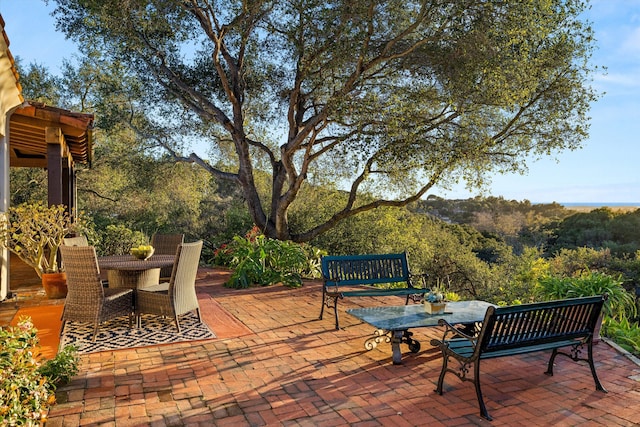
{"points": [[365, 269], [539, 323]]}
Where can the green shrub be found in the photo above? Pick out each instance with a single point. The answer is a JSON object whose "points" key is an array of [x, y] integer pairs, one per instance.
{"points": [[62, 368], [27, 384], [259, 260], [223, 256], [625, 333], [312, 268], [619, 305], [118, 239]]}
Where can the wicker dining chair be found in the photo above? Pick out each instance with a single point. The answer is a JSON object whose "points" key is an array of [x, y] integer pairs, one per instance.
{"points": [[87, 300], [82, 241], [166, 244], [76, 241], [179, 295]]}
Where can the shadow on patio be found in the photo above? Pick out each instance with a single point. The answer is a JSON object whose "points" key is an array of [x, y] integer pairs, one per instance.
{"points": [[274, 363]]}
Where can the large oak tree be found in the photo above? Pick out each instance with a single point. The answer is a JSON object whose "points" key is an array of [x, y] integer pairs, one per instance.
{"points": [[383, 99]]}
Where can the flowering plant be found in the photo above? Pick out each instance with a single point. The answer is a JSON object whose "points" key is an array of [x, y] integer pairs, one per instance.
{"points": [[27, 384]]}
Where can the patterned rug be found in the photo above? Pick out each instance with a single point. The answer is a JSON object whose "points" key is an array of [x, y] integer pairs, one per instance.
{"points": [[116, 334]]}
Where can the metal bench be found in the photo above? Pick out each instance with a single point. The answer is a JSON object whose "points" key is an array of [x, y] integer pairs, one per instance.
{"points": [[507, 331], [358, 275]]}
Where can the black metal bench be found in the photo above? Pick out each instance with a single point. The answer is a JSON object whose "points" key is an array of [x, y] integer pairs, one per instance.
{"points": [[358, 275], [507, 331]]}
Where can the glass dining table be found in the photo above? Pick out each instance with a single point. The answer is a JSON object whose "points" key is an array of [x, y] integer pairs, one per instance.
{"points": [[127, 271]]}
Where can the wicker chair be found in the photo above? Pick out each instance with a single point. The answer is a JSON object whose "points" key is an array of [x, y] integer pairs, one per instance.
{"points": [[166, 244], [76, 241], [179, 295], [82, 241], [87, 300]]}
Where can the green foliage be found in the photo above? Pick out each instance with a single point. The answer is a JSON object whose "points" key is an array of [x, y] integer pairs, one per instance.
{"points": [[519, 223], [28, 185], [628, 267], [470, 263], [617, 231], [449, 257], [624, 332], [313, 267], [34, 232], [256, 259], [232, 220], [118, 240], [26, 384], [519, 279], [452, 296], [590, 229], [571, 262], [39, 85], [619, 305], [223, 256], [391, 99], [63, 367]]}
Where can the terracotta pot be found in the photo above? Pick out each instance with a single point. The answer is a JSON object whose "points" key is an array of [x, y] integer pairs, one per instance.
{"points": [[55, 285]]}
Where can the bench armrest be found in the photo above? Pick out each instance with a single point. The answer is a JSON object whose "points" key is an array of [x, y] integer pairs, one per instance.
{"points": [[454, 331], [335, 286], [422, 277]]}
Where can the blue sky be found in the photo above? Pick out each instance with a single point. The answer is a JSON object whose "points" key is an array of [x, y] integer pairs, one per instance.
{"points": [[605, 170]]}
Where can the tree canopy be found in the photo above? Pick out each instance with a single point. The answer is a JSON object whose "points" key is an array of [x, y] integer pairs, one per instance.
{"points": [[381, 99]]}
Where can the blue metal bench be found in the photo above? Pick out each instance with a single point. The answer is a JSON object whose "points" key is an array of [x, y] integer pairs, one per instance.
{"points": [[363, 275], [507, 331]]}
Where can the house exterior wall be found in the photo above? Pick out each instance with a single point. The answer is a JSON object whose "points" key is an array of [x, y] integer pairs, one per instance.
{"points": [[10, 99]]}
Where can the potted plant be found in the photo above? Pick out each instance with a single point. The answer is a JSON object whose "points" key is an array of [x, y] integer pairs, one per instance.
{"points": [[34, 232], [434, 301]]}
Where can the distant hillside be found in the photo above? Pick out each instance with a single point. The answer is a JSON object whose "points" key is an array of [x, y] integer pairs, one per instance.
{"points": [[588, 207], [551, 227], [478, 209]]}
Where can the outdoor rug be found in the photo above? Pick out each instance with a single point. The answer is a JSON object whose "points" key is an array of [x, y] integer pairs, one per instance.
{"points": [[116, 334]]}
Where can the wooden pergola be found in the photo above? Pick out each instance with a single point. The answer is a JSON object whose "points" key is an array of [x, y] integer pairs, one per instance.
{"points": [[36, 135], [54, 139]]}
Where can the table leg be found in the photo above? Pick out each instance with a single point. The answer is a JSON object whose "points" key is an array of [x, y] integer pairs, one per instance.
{"points": [[396, 340]]}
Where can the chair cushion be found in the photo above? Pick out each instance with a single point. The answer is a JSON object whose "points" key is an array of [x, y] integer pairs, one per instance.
{"points": [[115, 293], [160, 287]]}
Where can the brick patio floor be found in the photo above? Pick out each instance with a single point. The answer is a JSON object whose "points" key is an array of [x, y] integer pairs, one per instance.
{"points": [[286, 367]]}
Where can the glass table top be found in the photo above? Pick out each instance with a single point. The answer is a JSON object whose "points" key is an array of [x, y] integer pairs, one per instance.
{"points": [[404, 317]]}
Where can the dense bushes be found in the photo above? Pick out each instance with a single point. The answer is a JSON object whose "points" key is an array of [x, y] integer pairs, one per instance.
{"points": [[258, 260], [619, 305], [599, 229]]}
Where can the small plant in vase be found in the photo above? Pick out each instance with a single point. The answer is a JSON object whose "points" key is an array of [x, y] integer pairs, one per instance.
{"points": [[434, 301]]}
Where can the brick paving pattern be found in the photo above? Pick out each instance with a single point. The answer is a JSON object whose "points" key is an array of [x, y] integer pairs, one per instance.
{"points": [[289, 368]]}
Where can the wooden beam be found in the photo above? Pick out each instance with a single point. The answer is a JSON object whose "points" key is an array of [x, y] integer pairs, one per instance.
{"points": [[54, 174], [57, 165]]}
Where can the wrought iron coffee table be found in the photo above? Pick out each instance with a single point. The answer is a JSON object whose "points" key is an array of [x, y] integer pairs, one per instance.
{"points": [[393, 322]]}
